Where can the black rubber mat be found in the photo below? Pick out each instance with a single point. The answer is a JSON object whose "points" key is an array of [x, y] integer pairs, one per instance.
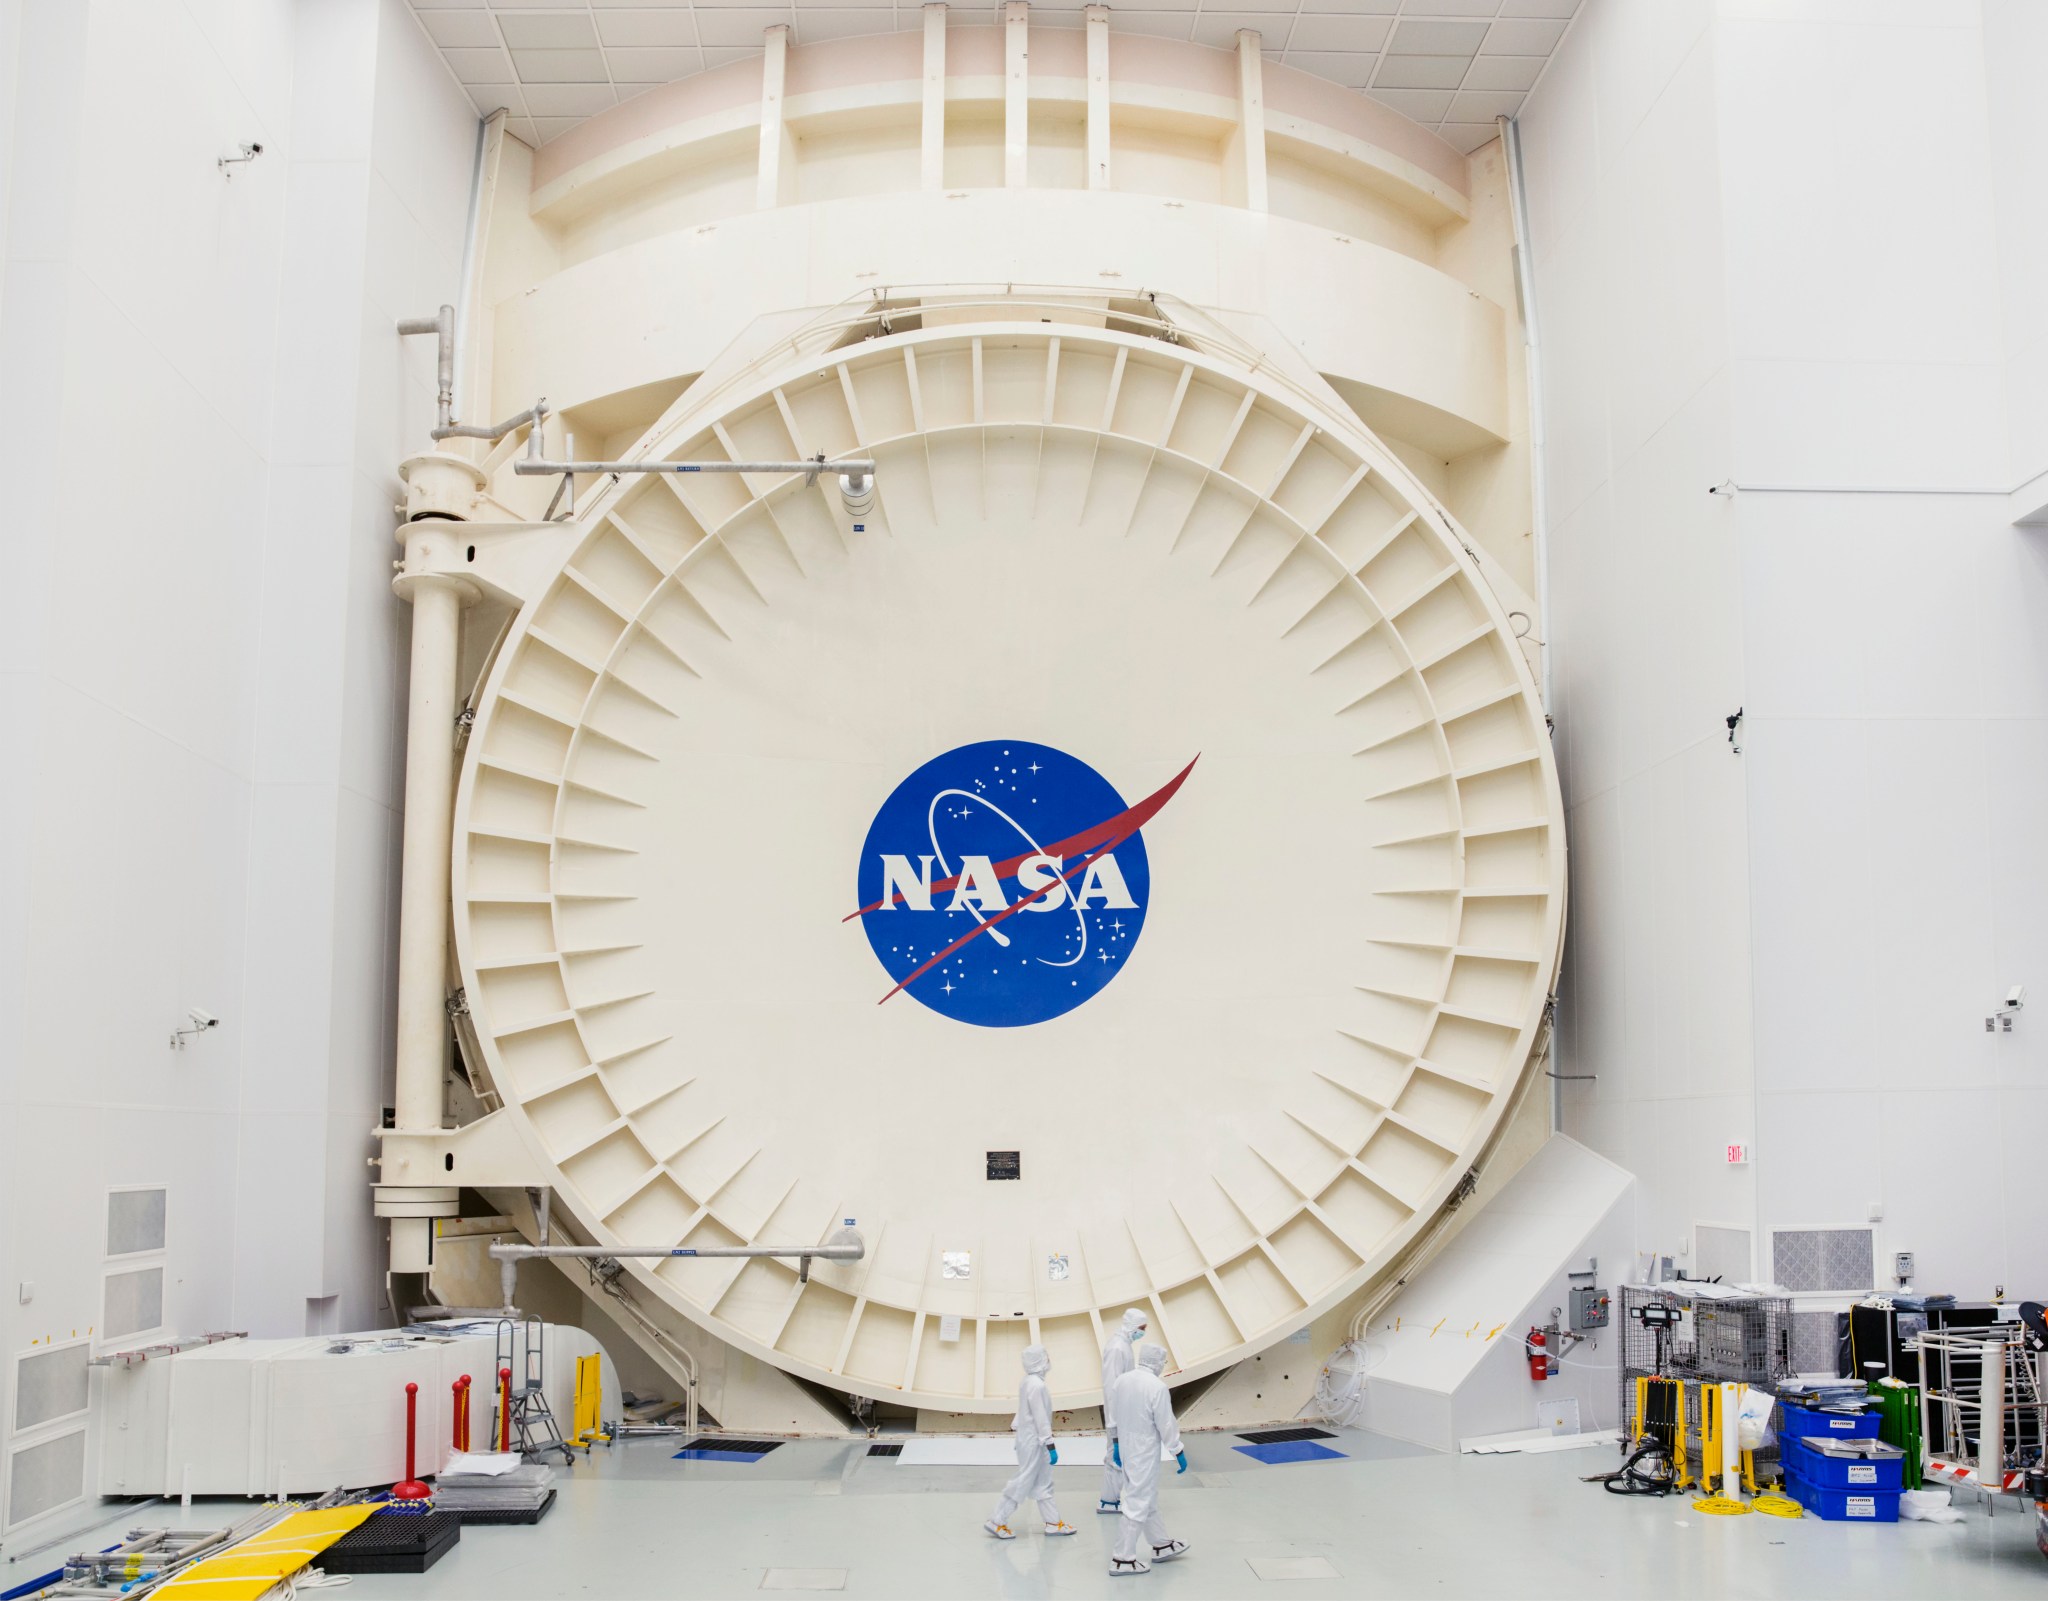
{"points": [[885, 1450], [1286, 1436], [393, 1542], [486, 1518], [715, 1442]]}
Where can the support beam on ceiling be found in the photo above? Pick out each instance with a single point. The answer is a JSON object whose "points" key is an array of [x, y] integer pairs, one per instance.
{"points": [[778, 148], [1098, 96], [1251, 122], [1016, 93], [934, 164]]}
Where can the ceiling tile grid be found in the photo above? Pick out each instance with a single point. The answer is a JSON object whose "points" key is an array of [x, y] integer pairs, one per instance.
{"points": [[1451, 65]]}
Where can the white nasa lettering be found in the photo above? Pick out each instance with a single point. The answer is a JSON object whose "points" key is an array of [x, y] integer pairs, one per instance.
{"points": [[1106, 879], [1035, 873], [916, 888], [979, 884]]}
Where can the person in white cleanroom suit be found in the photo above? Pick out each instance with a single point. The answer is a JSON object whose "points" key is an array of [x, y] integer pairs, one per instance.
{"points": [[1116, 1362], [1036, 1453], [1144, 1423]]}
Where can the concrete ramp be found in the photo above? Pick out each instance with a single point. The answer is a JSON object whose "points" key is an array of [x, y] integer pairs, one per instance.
{"points": [[1447, 1358]]}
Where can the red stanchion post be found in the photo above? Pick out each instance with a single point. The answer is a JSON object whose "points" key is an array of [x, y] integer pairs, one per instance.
{"points": [[458, 1419], [504, 1409], [410, 1488]]}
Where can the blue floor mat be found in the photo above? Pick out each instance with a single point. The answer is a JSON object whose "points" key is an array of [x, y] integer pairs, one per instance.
{"points": [[1290, 1451], [704, 1454]]}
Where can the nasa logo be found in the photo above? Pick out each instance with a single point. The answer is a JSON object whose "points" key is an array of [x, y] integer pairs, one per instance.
{"points": [[1005, 883]]}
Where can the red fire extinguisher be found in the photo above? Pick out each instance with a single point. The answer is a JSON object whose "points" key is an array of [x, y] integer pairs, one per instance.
{"points": [[1539, 1355]]}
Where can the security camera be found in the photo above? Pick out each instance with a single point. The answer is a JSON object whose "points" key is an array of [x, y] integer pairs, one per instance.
{"points": [[202, 1020], [2016, 997], [254, 150]]}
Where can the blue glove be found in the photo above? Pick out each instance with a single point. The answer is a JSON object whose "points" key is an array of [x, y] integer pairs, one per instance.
{"points": [[1116, 1453], [1052, 1455], [1182, 1458]]}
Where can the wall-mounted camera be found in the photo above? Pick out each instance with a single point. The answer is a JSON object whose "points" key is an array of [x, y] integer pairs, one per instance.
{"points": [[2000, 1021], [202, 1020]]}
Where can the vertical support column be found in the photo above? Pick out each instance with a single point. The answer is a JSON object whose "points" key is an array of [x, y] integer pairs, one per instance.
{"points": [[934, 167], [430, 579], [1991, 1422], [1016, 93], [1098, 96], [429, 844], [777, 149], [423, 889], [1251, 121]]}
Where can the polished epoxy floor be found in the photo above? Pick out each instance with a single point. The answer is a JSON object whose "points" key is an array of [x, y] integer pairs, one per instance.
{"points": [[1388, 1521]]}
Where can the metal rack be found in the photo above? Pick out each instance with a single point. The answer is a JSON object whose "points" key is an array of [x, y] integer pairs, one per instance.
{"points": [[1983, 1406], [1666, 1332]]}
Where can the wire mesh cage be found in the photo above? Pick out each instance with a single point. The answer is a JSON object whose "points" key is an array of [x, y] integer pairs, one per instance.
{"points": [[1682, 1341]]}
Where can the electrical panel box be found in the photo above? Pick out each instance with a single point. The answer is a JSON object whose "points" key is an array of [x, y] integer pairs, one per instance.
{"points": [[1589, 1308]]}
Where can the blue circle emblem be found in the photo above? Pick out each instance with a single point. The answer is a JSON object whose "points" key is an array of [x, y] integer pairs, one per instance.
{"points": [[1005, 883]]}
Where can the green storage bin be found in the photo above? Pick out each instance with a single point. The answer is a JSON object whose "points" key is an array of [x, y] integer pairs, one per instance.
{"points": [[1899, 1424]]}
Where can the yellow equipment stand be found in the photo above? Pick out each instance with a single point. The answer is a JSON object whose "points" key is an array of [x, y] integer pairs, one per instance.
{"points": [[1711, 1474], [587, 1428]]}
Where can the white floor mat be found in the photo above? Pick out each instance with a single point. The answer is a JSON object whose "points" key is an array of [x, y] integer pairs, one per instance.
{"points": [[960, 1451], [1538, 1441], [999, 1450]]}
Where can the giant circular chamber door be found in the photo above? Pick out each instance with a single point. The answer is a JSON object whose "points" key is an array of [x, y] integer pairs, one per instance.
{"points": [[1125, 868]]}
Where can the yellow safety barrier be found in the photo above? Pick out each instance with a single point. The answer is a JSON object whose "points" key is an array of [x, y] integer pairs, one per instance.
{"points": [[251, 1569], [588, 1395]]}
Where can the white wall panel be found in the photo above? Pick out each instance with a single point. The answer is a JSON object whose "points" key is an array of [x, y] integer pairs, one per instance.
{"points": [[1645, 577], [2015, 42], [151, 600], [1676, 559], [1663, 321], [1636, 52], [1577, 358], [1829, 314], [192, 662], [1585, 578]]}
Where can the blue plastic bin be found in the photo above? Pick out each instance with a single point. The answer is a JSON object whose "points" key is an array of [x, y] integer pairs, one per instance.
{"points": [[1800, 1421], [1843, 1506], [1854, 1474]]}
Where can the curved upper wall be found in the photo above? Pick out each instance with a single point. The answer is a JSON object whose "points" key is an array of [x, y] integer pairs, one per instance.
{"points": [[619, 261], [1142, 72]]}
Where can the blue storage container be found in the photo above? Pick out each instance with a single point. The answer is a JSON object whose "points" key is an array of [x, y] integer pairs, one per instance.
{"points": [[1826, 1472], [1800, 1421], [1843, 1506]]}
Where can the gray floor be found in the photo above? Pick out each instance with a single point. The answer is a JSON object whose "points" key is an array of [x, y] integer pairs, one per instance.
{"points": [[1391, 1521]]}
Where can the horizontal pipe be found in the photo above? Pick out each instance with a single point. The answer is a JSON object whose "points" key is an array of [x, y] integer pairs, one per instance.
{"points": [[839, 1251], [1859, 489], [530, 466], [455, 1314], [463, 430]]}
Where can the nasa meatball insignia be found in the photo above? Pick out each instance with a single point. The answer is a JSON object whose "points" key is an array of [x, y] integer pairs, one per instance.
{"points": [[987, 832]]}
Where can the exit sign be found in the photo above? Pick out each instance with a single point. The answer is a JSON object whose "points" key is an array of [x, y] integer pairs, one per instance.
{"points": [[1738, 1155]]}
